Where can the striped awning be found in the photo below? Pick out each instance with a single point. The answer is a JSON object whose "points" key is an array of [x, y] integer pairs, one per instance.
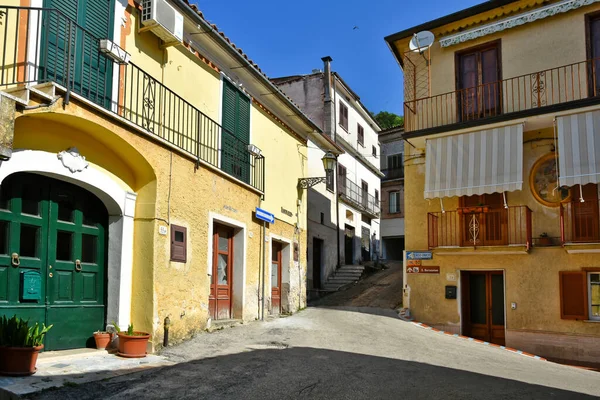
{"points": [[480, 162], [579, 148]]}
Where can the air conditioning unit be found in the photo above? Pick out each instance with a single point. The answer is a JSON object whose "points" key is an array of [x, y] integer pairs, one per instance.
{"points": [[114, 52], [163, 20]]}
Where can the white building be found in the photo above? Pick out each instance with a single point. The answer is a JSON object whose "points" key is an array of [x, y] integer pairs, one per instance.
{"points": [[350, 207]]}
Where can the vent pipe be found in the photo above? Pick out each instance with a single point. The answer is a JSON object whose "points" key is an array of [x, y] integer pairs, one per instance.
{"points": [[329, 111]]}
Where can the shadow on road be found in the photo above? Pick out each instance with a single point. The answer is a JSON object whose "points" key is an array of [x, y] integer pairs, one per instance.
{"points": [[307, 373]]}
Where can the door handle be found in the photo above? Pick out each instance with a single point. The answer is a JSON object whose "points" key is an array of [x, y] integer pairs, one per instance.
{"points": [[14, 260], [78, 265]]}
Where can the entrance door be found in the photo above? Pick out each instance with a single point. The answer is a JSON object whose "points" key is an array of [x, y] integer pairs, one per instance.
{"points": [[276, 278], [364, 186], [219, 301], [74, 31], [52, 267], [317, 255], [349, 245], [483, 305], [585, 215], [365, 244]]}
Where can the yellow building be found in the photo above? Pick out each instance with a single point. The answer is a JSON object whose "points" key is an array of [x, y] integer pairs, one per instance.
{"points": [[138, 141], [502, 165]]}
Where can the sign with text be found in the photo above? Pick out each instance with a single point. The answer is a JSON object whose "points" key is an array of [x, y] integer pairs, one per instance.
{"points": [[414, 263], [423, 270], [264, 215], [419, 255]]}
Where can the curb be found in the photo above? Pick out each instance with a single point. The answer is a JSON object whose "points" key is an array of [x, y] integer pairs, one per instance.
{"points": [[404, 315]]}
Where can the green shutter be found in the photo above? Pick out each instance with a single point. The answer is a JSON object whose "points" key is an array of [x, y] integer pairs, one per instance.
{"points": [[235, 159], [91, 72]]}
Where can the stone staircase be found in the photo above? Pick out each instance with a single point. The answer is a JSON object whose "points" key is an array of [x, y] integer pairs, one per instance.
{"points": [[346, 275], [43, 92]]}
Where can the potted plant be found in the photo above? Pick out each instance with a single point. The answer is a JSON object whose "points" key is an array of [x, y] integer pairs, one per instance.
{"points": [[20, 345], [544, 240], [478, 209], [132, 344], [102, 339]]}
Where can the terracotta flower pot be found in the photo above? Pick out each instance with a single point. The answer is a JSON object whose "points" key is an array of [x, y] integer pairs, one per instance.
{"points": [[133, 346], [19, 361], [102, 339]]}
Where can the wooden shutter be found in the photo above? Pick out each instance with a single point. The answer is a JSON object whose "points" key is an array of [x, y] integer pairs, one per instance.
{"points": [[573, 295], [178, 243], [594, 53], [235, 136], [343, 116], [489, 79], [361, 134], [585, 215], [468, 81], [341, 179]]}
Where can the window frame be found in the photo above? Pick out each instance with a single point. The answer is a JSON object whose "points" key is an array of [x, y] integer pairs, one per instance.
{"points": [[397, 202], [591, 317], [375, 151], [343, 109], [174, 257], [360, 132]]}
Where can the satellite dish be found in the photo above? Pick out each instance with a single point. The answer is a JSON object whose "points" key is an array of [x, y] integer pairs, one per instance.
{"points": [[421, 41]]}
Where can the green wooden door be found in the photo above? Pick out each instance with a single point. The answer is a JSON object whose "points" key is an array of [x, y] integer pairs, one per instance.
{"points": [[73, 32], [58, 231], [235, 159]]}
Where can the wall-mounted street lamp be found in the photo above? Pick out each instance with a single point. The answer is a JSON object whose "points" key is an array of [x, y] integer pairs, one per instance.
{"points": [[329, 162]]}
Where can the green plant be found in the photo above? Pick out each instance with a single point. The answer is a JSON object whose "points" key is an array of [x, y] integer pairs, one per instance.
{"points": [[116, 326], [16, 332], [544, 235], [130, 330]]}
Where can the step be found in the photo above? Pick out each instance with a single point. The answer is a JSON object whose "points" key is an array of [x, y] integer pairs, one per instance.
{"points": [[223, 323], [7, 93], [348, 273], [46, 91]]}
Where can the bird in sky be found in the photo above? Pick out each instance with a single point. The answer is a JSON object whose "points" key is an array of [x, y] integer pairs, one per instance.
{"points": [[355, 28]]}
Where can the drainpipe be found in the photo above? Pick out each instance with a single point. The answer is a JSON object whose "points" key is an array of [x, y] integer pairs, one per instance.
{"points": [[329, 107]]}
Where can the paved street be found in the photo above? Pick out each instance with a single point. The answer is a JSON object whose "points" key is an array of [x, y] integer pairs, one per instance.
{"points": [[325, 353]]}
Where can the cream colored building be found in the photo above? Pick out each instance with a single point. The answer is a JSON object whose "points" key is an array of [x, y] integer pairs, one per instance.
{"points": [[138, 144], [502, 165]]}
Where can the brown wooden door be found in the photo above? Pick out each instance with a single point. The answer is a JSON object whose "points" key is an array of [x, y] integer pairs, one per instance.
{"points": [[585, 215], [483, 305], [276, 278], [488, 228], [478, 78], [594, 55], [219, 301]]}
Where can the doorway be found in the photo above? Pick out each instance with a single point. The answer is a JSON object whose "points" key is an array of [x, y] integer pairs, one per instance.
{"points": [[52, 257], [349, 245], [365, 244], [482, 305], [317, 259], [221, 284], [276, 257]]}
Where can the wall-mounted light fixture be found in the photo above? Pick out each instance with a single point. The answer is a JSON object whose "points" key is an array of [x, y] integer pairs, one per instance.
{"points": [[329, 163]]}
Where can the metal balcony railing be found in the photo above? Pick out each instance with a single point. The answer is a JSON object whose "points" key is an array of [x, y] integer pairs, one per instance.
{"points": [[393, 173], [354, 194], [579, 222], [42, 45], [480, 226], [526, 92]]}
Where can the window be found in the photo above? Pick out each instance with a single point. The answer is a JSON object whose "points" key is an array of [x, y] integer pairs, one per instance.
{"points": [[376, 196], [394, 202], [593, 50], [178, 243], [374, 151], [322, 219], [365, 193], [478, 87], [394, 161], [343, 116], [594, 295], [235, 159], [341, 179], [329, 180], [580, 295], [361, 135]]}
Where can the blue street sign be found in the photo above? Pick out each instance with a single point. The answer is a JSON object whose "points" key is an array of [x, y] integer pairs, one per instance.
{"points": [[264, 215], [419, 255]]}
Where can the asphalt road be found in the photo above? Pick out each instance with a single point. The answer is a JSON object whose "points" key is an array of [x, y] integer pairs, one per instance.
{"points": [[340, 354]]}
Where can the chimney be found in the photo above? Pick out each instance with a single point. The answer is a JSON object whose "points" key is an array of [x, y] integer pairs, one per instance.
{"points": [[329, 107]]}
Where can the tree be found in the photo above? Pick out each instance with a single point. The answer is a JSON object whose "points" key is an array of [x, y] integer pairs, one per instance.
{"points": [[388, 120]]}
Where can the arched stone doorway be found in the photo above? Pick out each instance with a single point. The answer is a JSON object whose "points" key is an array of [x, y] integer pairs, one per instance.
{"points": [[53, 237]]}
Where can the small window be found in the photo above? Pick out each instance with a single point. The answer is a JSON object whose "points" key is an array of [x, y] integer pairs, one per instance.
{"points": [[376, 196], [374, 151], [178, 243], [394, 202], [594, 295], [343, 116], [322, 219], [329, 182], [361, 135]]}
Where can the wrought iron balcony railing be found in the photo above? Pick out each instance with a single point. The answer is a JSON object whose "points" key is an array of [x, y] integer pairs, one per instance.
{"points": [[393, 173], [580, 222], [354, 194], [480, 226], [42, 45], [536, 90]]}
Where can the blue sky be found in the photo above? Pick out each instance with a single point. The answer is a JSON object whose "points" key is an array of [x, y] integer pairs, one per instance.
{"points": [[290, 37]]}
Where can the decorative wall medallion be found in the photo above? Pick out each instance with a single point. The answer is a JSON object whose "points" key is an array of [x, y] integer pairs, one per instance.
{"points": [[72, 160], [543, 182]]}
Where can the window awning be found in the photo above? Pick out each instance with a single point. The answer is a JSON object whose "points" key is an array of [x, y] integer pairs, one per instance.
{"points": [[480, 162], [579, 148]]}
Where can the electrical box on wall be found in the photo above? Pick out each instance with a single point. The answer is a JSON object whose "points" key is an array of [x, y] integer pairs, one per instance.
{"points": [[451, 292]]}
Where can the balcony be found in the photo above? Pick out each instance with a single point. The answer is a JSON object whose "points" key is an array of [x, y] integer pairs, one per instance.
{"points": [[353, 194], [473, 227], [393, 173], [513, 96], [580, 222], [42, 45]]}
